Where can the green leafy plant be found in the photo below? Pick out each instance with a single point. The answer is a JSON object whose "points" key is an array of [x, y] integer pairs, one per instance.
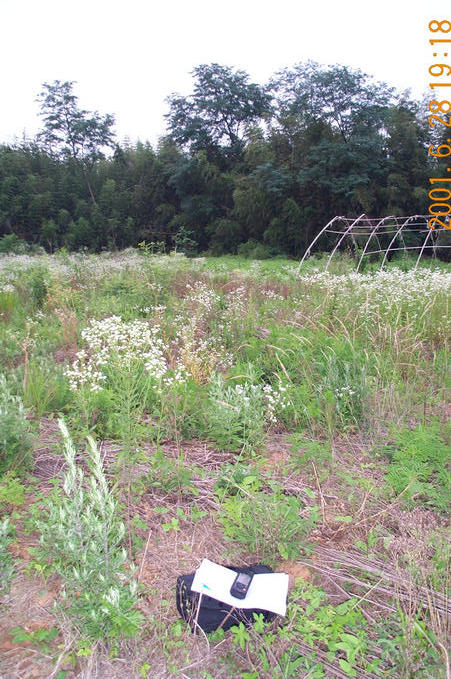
{"points": [[270, 526], [170, 475], [315, 455], [12, 491], [235, 417], [317, 639], [237, 477], [238, 415], [80, 539], [409, 646], [418, 466], [42, 637], [367, 546], [15, 440], [6, 559]]}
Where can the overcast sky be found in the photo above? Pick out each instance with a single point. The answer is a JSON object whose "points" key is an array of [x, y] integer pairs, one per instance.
{"points": [[128, 56]]}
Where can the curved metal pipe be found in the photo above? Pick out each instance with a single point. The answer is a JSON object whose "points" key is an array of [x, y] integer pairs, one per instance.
{"points": [[363, 222], [370, 237], [341, 239], [422, 249], [396, 235], [307, 252]]}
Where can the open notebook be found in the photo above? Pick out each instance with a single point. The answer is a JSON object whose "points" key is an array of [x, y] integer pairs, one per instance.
{"points": [[267, 591]]}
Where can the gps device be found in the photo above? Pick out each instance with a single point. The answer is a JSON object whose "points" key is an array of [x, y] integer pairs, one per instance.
{"points": [[241, 585]]}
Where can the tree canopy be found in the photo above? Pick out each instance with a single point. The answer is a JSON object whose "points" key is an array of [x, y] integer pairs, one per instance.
{"points": [[216, 115], [70, 132], [242, 164]]}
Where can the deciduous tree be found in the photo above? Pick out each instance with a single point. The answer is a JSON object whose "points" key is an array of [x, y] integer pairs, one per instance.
{"points": [[215, 116], [73, 132]]}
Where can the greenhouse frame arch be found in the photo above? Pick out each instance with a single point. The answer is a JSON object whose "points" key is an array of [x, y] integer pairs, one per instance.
{"points": [[381, 236]]}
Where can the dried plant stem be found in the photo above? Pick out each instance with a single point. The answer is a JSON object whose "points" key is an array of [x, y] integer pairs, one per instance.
{"points": [[144, 556], [321, 496]]}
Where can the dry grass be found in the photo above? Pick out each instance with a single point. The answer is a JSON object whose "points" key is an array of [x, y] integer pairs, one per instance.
{"points": [[380, 579], [167, 554]]}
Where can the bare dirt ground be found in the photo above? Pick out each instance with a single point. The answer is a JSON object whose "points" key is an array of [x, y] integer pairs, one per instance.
{"points": [[162, 555]]}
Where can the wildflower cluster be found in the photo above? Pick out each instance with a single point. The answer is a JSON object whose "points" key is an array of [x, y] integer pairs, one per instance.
{"points": [[244, 398], [85, 372], [201, 355], [66, 268], [236, 306], [272, 294], [349, 403], [200, 352], [344, 392], [274, 399], [112, 341], [201, 298], [7, 288], [382, 287], [390, 295], [239, 414], [127, 341]]}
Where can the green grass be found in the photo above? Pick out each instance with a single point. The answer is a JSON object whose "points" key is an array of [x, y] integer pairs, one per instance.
{"points": [[279, 412]]}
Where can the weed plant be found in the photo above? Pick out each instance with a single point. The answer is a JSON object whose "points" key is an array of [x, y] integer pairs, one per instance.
{"points": [[12, 491], [44, 387], [418, 469], [15, 438], [161, 348], [81, 536], [269, 526], [6, 559], [34, 284], [314, 454], [238, 415]]}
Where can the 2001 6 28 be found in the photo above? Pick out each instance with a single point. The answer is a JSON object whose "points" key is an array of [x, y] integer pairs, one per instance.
{"points": [[440, 192]]}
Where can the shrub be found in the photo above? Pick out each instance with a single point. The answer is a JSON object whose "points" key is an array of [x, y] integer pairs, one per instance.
{"points": [[237, 415], [12, 244], [269, 526], [226, 235], [15, 440], [184, 239], [6, 560], [80, 539], [252, 249]]}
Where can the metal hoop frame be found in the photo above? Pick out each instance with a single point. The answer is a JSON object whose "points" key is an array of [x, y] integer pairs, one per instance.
{"points": [[374, 227]]}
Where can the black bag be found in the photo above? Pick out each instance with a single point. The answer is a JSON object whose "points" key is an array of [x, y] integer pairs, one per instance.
{"points": [[212, 613]]}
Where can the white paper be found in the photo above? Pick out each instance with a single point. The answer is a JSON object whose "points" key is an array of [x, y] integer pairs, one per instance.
{"points": [[267, 591]]}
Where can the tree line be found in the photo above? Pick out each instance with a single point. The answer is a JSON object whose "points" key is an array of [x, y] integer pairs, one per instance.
{"points": [[243, 167]]}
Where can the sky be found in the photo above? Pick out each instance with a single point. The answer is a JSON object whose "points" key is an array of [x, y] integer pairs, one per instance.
{"points": [[128, 56]]}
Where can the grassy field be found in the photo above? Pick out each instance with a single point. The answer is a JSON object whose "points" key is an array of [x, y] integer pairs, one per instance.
{"points": [[156, 410]]}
